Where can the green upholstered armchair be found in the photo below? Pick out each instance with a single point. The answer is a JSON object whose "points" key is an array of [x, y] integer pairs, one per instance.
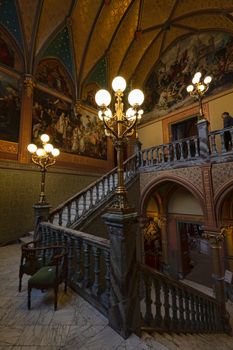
{"points": [[52, 275], [33, 257]]}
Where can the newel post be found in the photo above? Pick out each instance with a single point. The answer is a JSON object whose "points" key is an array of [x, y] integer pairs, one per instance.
{"points": [[41, 213], [216, 239], [202, 128], [124, 311]]}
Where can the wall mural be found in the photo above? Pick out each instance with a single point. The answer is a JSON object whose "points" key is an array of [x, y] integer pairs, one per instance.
{"points": [[81, 134], [52, 73], [96, 80], [209, 53], [9, 108]]}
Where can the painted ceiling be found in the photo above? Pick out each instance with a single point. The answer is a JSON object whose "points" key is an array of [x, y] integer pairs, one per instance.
{"points": [[131, 35]]}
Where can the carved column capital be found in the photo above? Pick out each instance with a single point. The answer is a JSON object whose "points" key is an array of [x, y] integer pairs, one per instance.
{"points": [[29, 85], [214, 237]]}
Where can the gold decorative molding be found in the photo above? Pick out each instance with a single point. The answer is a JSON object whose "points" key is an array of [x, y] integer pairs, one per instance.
{"points": [[9, 147], [29, 85]]}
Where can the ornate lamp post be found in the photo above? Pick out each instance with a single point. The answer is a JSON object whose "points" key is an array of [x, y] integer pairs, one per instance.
{"points": [[120, 125], [198, 89], [44, 157]]}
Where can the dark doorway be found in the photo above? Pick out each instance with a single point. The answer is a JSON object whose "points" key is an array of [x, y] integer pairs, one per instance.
{"points": [[184, 129], [195, 254]]}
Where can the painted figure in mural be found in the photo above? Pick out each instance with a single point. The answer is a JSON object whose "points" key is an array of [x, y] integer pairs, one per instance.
{"points": [[152, 244], [9, 109], [165, 88], [6, 54], [227, 122], [52, 73], [80, 134]]}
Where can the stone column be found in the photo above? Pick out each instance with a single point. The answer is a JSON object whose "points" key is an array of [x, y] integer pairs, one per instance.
{"points": [[215, 239], [202, 128], [41, 213], [124, 310], [164, 239]]}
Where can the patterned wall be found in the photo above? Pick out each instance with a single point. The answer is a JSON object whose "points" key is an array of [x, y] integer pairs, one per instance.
{"points": [[60, 47]]}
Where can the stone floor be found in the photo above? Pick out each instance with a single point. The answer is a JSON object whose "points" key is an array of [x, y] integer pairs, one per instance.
{"points": [[75, 325]]}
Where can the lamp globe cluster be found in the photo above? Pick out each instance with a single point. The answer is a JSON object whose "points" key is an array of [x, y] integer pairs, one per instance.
{"points": [[44, 151]]}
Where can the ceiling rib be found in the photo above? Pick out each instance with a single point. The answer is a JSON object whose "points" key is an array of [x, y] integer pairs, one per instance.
{"points": [[87, 44]]}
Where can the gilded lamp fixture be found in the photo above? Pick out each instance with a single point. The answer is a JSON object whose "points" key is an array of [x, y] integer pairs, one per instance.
{"points": [[44, 157], [198, 90], [119, 125]]}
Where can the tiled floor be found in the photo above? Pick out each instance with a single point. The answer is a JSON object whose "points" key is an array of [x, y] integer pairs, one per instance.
{"points": [[75, 325]]}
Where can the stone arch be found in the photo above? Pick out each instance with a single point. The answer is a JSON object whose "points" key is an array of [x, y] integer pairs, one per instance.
{"points": [[155, 183], [220, 197]]}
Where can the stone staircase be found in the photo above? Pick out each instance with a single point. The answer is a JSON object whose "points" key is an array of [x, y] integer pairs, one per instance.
{"points": [[73, 212], [167, 341]]}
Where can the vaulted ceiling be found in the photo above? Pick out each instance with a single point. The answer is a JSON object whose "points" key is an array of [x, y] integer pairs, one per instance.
{"points": [[133, 34]]}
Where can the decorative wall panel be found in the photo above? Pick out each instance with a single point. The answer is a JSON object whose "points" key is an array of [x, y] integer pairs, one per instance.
{"points": [[80, 134]]}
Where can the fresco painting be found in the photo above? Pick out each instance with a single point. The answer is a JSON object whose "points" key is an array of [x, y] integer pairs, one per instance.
{"points": [[9, 108], [7, 56], [82, 134], [51, 73], [211, 54]]}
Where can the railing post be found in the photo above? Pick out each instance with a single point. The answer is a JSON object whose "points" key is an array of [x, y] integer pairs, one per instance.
{"points": [[41, 213], [202, 128], [124, 311], [215, 238], [137, 150], [163, 225]]}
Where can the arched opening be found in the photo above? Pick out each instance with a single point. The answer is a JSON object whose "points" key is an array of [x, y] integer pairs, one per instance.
{"points": [[178, 212], [224, 210]]}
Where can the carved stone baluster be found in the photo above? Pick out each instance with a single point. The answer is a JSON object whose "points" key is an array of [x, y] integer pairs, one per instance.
{"points": [[211, 316], [189, 150], [174, 150], [166, 305], [187, 311], [60, 218], [151, 157], [106, 294], [196, 148], [163, 154], [86, 265], [198, 317], [158, 303], [84, 203], [97, 193], [71, 257], [147, 158], [193, 313], [78, 272], [202, 313], [148, 301], [174, 308], [77, 202], [181, 151], [181, 309], [157, 155], [91, 198], [68, 215], [169, 153], [223, 148], [214, 150], [96, 284]]}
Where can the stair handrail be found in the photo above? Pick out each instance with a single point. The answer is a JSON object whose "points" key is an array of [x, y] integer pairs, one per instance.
{"points": [[177, 307], [174, 283], [68, 202]]}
